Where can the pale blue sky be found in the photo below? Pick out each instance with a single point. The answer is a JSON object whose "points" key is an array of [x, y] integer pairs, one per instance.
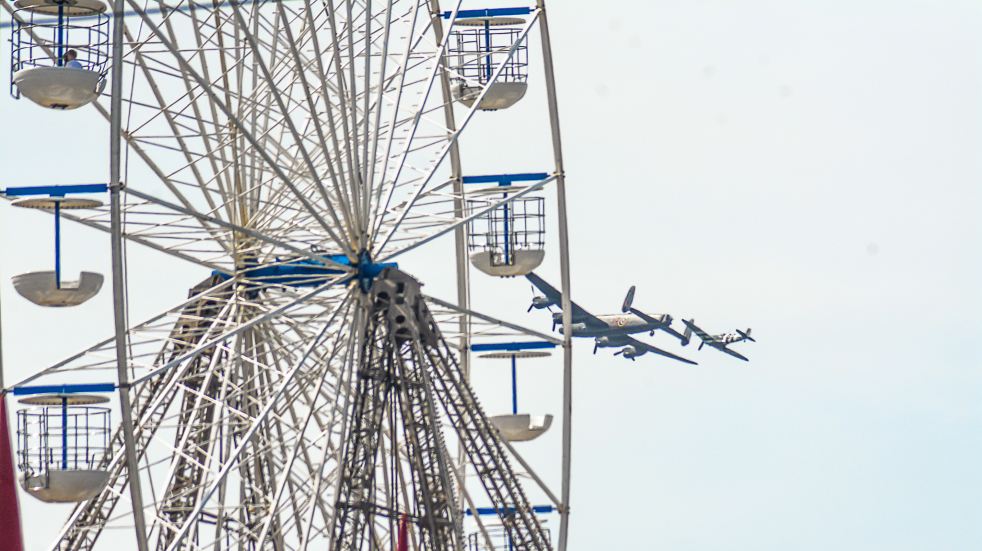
{"points": [[808, 169]]}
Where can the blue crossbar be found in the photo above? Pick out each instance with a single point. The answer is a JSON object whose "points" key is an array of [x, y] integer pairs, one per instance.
{"points": [[511, 346], [487, 511], [490, 12], [57, 191], [64, 389], [307, 272], [505, 179]]}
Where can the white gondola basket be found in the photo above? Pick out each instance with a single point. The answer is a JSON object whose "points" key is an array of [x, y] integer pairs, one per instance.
{"points": [[62, 443], [522, 262], [521, 427], [44, 33], [500, 95], [59, 87], [71, 486], [506, 240], [41, 288]]}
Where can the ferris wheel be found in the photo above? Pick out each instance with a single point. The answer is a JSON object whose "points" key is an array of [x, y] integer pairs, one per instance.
{"points": [[307, 391]]}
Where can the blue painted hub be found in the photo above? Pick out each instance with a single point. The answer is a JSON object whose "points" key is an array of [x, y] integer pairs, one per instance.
{"points": [[369, 270], [307, 272]]}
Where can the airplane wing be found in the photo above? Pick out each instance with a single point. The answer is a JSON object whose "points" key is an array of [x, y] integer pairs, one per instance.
{"points": [[733, 353], [644, 316], [668, 329], [645, 346], [703, 336], [579, 314]]}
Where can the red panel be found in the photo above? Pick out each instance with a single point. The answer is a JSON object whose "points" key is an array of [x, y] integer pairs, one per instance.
{"points": [[403, 543], [10, 535]]}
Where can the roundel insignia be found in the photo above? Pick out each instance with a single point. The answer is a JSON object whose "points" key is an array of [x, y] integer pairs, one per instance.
{"points": [[620, 322]]}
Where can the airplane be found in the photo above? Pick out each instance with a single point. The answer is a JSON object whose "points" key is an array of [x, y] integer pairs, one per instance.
{"points": [[610, 330], [719, 341]]}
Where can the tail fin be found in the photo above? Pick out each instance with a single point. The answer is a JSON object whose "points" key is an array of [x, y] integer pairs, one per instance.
{"points": [[628, 299], [687, 336], [746, 335]]}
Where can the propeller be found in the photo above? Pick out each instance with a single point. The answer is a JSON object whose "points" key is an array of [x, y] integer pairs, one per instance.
{"points": [[596, 345], [628, 299], [539, 302], [532, 304]]}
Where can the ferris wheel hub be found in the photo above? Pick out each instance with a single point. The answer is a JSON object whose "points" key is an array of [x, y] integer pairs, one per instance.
{"points": [[369, 270]]}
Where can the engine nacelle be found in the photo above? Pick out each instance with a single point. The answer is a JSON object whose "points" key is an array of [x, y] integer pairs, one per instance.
{"points": [[540, 302], [574, 327], [603, 342], [630, 352]]}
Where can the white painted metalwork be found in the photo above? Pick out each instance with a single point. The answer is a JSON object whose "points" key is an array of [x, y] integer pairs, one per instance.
{"points": [[273, 138]]}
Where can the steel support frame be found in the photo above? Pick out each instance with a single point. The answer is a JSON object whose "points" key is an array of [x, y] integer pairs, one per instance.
{"points": [[392, 376], [560, 175], [118, 277], [154, 397], [449, 387], [460, 235]]}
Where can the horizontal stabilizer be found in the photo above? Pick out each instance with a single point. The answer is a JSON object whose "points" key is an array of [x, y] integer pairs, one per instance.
{"points": [[746, 335]]}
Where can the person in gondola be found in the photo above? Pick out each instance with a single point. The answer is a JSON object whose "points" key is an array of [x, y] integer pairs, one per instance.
{"points": [[70, 60]]}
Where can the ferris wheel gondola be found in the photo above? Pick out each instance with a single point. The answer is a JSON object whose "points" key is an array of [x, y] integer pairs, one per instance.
{"points": [[59, 51]]}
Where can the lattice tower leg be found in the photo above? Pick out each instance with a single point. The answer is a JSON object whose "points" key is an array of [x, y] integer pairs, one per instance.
{"points": [[391, 386], [151, 401], [400, 330]]}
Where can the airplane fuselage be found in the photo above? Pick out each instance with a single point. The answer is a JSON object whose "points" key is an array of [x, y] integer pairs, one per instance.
{"points": [[617, 324]]}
